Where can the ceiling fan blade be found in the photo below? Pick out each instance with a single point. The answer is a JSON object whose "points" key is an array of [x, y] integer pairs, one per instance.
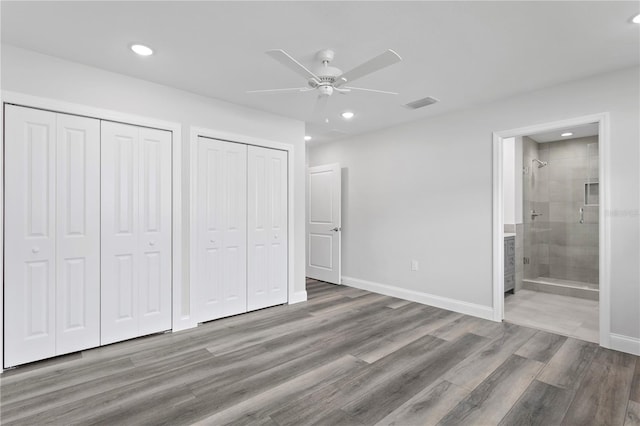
{"points": [[292, 89], [370, 90], [285, 59], [321, 104], [383, 60], [342, 90]]}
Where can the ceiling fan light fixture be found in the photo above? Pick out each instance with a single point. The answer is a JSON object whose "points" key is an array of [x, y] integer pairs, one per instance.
{"points": [[348, 115], [141, 49], [565, 134], [636, 19], [325, 90]]}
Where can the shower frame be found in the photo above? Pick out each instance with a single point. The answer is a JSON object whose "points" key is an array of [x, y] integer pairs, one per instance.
{"points": [[498, 208]]}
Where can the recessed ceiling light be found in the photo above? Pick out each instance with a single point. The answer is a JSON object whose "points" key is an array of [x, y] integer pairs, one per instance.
{"points": [[636, 19], [565, 134], [307, 138], [347, 115], [141, 49]]}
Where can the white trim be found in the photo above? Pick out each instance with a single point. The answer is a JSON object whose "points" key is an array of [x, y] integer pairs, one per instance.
{"points": [[626, 344], [2, 237], [298, 296], [8, 97], [480, 311], [195, 132], [605, 220]]}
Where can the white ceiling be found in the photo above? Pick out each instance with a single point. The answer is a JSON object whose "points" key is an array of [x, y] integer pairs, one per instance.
{"points": [[581, 131], [463, 53]]}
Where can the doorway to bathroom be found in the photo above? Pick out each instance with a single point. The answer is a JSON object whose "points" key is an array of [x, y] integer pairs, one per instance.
{"points": [[551, 228]]}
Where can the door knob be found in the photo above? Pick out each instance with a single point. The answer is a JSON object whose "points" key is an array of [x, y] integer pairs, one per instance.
{"points": [[35, 249], [336, 229], [212, 241], [152, 243]]}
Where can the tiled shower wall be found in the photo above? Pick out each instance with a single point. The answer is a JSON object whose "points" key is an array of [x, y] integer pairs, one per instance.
{"points": [[556, 243]]}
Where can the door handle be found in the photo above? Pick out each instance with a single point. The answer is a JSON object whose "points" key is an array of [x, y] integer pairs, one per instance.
{"points": [[336, 229], [152, 243], [35, 249]]}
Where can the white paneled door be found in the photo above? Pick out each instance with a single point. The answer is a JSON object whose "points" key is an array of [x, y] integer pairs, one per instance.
{"points": [[136, 231], [324, 223], [52, 234], [221, 229], [267, 227], [77, 234]]}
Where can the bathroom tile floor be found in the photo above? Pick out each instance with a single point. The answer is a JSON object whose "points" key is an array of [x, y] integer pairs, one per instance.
{"points": [[569, 316]]}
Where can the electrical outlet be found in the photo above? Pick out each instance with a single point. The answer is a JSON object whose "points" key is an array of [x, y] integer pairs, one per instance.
{"points": [[415, 265]]}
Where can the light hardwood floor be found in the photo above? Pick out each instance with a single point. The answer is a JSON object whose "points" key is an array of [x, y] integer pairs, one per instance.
{"points": [[345, 357]]}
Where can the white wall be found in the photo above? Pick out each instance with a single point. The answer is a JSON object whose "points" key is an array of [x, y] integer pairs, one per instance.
{"points": [[45, 76], [423, 191]]}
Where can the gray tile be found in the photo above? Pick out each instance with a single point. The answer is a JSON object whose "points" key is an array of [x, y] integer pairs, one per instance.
{"points": [[571, 148]]}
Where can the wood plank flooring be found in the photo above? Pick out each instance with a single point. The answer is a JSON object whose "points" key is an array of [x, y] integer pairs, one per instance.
{"points": [[345, 357]]}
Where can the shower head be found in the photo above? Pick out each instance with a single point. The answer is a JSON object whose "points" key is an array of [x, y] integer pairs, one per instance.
{"points": [[540, 163]]}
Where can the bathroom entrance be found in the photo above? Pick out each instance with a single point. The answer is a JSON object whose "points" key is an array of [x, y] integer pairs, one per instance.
{"points": [[551, 228]]}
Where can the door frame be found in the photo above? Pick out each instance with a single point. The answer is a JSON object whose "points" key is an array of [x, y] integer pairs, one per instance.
{"points": [[195, 133], [604, 305], [178, 319]]}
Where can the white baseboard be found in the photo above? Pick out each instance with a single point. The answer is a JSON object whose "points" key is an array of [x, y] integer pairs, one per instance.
{"points": [[480, 311], [298, 296], [626, 344]]}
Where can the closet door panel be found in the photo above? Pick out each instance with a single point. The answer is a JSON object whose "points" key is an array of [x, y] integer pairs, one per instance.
{"points": [[119, 237], [235, 228], [29, 298], [155, 231], [209, 229], [267, 227], [221, 229], [78, 233]]}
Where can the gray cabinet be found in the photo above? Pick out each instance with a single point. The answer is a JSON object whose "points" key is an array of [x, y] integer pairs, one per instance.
{"points": [[509, 264]]}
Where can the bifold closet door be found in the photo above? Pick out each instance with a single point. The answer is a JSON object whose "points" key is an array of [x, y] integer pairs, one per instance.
{"points": [[221, 229], [78, 234], [136, 231], [52, 231], [267, 228]]}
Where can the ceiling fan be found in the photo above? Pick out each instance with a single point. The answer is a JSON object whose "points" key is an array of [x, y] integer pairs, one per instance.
{"points": [[327, 79]]}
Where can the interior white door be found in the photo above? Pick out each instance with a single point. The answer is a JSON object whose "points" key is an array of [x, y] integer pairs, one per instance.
{"points": [[77, 233], [155, 231], [30, 228], [323, 223], [52, 226], [119, 224], [221, 229], [267, 228], [136, 231]]}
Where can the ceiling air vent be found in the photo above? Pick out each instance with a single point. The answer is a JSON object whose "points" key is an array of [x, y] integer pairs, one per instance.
{"points": [[421, 103]]}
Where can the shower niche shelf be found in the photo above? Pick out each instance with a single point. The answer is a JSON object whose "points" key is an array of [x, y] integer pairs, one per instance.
{"points": [[591, 194]]}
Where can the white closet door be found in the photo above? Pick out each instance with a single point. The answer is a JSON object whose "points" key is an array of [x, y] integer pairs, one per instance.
{"points": [[136, 231], [29, 292], [155, 231], [119, 241], [221, 229], [78, 234], [267, 228]]}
